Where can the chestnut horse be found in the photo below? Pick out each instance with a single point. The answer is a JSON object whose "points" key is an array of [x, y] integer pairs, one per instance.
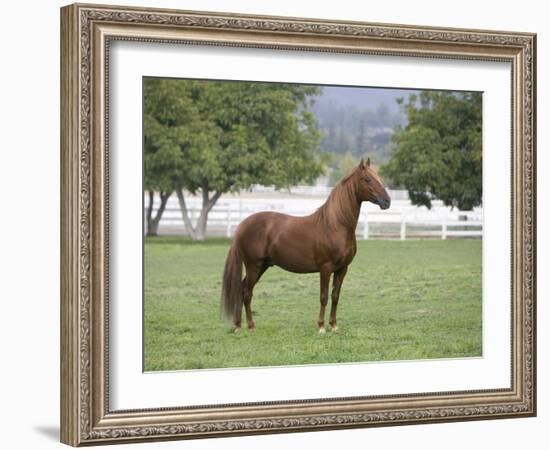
{"points": [[322, 242]]}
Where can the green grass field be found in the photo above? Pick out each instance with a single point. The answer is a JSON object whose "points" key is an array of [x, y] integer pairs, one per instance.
{"points": [[400, 300]]}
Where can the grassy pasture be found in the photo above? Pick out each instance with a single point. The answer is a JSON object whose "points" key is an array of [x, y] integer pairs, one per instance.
{"points": [[400, 300]]}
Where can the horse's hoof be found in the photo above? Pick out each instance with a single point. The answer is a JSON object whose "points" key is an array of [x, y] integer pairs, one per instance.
{"points": [[252, 328], [322, 330], [334, 329], [237, 330]]}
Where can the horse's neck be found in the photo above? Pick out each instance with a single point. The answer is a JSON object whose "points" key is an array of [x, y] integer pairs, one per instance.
{"points": [[342, 209], [355, 208]]}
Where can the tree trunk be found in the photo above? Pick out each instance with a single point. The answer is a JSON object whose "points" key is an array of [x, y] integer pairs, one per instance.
{"points": [[200, 228], [185, 212], [197, 232], [153, 222], [150, 231]]}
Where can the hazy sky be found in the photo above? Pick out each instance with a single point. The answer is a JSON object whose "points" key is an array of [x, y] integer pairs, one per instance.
{"points": [[363, 97]]}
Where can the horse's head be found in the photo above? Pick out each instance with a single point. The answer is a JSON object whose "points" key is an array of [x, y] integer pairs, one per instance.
{"points": [[370, 187]]}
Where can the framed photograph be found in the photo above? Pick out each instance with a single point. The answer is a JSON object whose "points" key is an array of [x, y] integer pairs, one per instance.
{"points": [[276, 224]]}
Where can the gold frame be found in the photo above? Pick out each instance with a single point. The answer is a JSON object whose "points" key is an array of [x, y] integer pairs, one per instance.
{"points": [[86, 31]]}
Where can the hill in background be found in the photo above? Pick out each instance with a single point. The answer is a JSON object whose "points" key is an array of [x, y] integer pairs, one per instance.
{"points": [[358, 121]]}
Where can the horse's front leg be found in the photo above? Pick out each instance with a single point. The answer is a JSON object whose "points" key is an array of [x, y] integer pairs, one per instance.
{"points": [[336, 286], [325, 280]]}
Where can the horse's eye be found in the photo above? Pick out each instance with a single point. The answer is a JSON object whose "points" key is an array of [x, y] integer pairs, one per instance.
{"points": [[367, 179]]}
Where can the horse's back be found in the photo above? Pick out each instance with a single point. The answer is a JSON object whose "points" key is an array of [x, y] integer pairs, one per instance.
{"points": [[255, 233], [260, 223]]}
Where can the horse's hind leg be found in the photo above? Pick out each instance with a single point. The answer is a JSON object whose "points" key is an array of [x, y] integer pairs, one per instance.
{"points": [[253, 274]]}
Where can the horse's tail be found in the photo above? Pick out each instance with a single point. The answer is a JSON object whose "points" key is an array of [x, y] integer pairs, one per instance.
{"points": [[232, 293]]}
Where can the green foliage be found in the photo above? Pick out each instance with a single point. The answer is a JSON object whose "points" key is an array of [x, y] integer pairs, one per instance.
{"points": [[439, 153], [345, 164], [399, 301], [225, 136]]}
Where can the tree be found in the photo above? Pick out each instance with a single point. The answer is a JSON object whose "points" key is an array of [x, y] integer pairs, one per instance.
{"points": [[157, 169], [439, 153], [212, 137], [158, 173], [164, 105]]}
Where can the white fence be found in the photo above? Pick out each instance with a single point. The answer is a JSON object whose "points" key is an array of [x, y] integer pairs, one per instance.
{"points": [[402, 221]]}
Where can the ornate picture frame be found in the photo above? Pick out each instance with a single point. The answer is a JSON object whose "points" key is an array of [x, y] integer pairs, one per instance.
{"points": [[86, 34]]}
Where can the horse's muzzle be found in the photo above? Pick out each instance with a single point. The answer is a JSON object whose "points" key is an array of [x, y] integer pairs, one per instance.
{"points": [[384, 202]]}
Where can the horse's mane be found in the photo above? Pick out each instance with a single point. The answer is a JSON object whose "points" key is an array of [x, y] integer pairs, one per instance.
{"points": [[339, 205]]}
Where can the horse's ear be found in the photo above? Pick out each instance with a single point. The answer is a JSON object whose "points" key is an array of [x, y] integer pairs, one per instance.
{"points": [[364, 164]]}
